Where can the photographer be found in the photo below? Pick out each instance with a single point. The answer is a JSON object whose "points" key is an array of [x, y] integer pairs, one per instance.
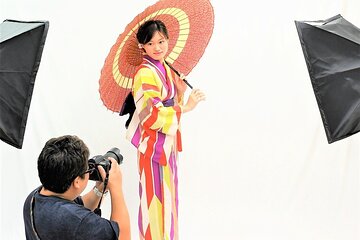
{"points": [[55, 210]]}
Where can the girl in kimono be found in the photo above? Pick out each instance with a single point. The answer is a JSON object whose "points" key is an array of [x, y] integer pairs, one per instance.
{"points": [[155, 131]]}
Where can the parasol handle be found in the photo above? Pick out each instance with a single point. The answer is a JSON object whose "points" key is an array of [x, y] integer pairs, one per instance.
{"points": [[177, 73]]}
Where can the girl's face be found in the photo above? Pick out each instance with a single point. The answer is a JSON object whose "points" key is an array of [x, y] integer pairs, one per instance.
{"points": [[157, 47]]}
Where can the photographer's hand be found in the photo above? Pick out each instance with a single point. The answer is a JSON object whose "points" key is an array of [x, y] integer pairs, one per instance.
{"points": [[115, 176], [91, 199], [100, 184]]}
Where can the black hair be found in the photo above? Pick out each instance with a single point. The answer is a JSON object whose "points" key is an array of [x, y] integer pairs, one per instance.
{"points": [[61, 160], [147, 29]]}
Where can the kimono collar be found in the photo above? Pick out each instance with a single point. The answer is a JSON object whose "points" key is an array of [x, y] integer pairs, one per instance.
{"points": [[157, 63], [162, 72]]}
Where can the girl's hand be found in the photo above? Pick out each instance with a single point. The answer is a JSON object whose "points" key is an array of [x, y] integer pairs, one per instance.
{"points": [[195, 97]]}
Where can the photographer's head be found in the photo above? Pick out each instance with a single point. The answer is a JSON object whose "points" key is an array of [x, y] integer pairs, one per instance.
{"points": [[61, 161]]}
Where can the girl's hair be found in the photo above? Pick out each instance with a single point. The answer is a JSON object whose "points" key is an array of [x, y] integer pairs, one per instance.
{"points": [[148, 28]]}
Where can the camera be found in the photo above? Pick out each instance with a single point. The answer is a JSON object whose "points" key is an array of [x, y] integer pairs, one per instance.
{"points": [[103, 161]]}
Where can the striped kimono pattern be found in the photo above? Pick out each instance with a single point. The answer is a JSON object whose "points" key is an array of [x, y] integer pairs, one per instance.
{"points": [[155, 131]]}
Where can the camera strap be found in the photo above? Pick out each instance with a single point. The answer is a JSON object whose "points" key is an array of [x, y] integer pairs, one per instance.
{"points": [[98, 210]]}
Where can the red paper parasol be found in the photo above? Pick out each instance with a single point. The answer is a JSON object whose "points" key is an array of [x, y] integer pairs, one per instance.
{"points": [[189, 23]]}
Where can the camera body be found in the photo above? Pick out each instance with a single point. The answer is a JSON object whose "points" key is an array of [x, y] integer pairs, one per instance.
{"points": [[103, 161]]}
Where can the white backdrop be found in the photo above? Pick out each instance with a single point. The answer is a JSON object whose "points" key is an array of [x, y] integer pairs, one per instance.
{"points": [[256, 163]]}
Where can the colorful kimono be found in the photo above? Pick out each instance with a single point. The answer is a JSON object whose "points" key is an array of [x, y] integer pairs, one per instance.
{"points": [[155, 131]]}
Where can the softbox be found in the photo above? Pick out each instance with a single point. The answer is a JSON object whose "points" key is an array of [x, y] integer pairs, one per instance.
{"points": [[331, 49], [21, 47]]}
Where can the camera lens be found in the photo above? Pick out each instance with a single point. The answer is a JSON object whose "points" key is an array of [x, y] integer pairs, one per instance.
{"points": [[114, 153]]}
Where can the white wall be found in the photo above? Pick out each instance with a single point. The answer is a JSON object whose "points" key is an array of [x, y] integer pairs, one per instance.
{"points": [[256, 164]]}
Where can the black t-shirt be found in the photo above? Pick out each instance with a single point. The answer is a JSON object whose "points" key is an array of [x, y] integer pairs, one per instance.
{"points": [[56, 218]]}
